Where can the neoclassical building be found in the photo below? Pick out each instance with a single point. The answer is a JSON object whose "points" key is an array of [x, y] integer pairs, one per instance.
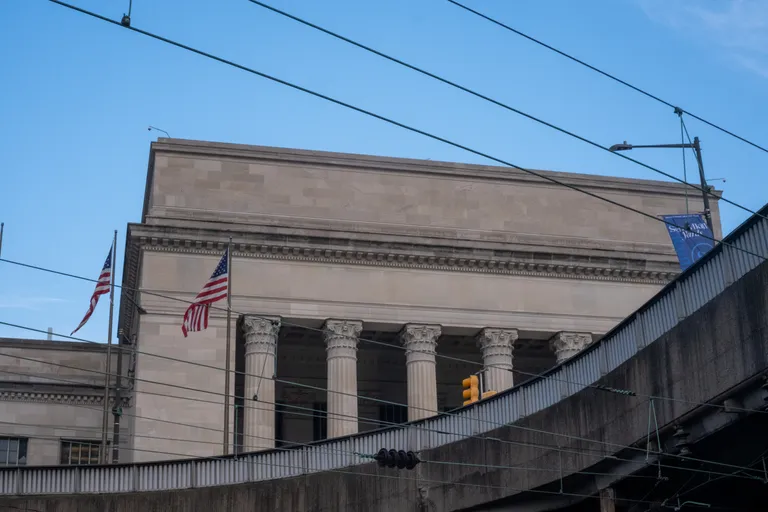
{"points": [[364, 289]]}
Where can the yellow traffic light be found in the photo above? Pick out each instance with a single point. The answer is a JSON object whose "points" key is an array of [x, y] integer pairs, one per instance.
{"points": [[471, 391]]}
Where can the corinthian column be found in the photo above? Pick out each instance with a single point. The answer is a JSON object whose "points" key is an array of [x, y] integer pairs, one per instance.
{"points": [[497, 346], [341, 347], [420, 342], [260, 343], [568, 344]]}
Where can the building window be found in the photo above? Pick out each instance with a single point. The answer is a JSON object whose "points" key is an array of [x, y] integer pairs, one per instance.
{"points": [[80, 452], [320, 422], [391, 413], [13, 451]]}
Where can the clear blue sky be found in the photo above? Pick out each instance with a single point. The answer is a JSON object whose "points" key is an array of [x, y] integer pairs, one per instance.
{"points": [[77, 94]]}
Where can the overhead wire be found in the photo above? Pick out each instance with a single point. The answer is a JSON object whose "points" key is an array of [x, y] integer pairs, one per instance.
{"points": [[196, 51], [400, 476], [335, 450], [180, 45], [343, 104], [320, 448], [388, 120], [499, 103], [599, 387], [314, 413], [604, 73], [389, 402], [311, 411]]}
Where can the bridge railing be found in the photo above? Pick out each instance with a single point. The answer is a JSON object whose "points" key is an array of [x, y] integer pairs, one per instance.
{"points": [[721, 267]]}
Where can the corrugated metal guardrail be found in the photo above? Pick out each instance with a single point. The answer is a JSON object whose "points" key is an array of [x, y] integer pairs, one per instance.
{"points": [[694, 288]]}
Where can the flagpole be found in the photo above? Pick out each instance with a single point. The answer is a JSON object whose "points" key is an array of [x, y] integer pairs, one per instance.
{"points": [[228, 348], [2, 225], [105, 414]]}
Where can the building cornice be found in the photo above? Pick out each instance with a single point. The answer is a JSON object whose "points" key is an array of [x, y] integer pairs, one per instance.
{"points": [[52, 397], [395, 259]]}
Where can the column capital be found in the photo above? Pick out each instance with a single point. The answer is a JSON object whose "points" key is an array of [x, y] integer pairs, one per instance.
{"points": [[420, 333], [341, 337], [491, 338], [567, 344], [335, 331], [261, 333]]}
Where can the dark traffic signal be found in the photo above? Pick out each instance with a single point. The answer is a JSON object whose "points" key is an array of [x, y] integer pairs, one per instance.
{"points": [[399, 458]]}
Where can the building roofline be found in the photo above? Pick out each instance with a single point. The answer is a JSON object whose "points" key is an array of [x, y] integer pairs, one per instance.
{"points": [[52, 345], [397, 164]]}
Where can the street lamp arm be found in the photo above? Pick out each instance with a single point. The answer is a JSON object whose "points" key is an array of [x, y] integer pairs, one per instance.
{"points": [[677, 146], [627, 147]]}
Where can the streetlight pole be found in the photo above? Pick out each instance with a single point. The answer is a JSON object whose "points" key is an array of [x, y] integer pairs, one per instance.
{"points": [[704, 186], [696, 146]]}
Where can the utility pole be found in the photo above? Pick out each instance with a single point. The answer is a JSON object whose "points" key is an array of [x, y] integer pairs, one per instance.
{"points": [[696, 146], [704, 186]]}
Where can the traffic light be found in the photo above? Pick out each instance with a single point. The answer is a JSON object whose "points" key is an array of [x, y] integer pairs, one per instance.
{"points": [[471, 391], [399, 458]]}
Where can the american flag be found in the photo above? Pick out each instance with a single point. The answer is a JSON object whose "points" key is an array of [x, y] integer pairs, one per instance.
{"points": [[196, 316], [102, 287]]}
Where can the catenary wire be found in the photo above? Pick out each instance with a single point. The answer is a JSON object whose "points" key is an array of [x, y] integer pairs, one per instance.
{"points": [[607, 75], [313, 412], [388, 402], [398, 124], [542, 376], [377, 116], [755, 461], [297, 444], [709, 472], [377, 475], [401, 476], [500, 104], [599, 387], [558, 448], [384, 119]]}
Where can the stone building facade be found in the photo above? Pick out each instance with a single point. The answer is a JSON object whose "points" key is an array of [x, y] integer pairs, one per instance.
{"points": [[357, 274], [51, 401]]}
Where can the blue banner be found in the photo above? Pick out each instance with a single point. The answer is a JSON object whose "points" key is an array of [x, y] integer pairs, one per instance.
{"points": [[686, 234]]}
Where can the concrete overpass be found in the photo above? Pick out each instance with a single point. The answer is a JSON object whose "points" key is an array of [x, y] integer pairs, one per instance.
{"points": [[637, 416]]}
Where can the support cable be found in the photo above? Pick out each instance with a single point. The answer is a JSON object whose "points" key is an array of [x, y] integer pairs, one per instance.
{"points": [[396, 123], [320, 448], [389, 402], [605, 74], [500, 104], [401, 476]]}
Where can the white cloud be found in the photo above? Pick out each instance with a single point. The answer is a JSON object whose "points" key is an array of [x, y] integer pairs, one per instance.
{"points": [[738, 29], [29, 303]]}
